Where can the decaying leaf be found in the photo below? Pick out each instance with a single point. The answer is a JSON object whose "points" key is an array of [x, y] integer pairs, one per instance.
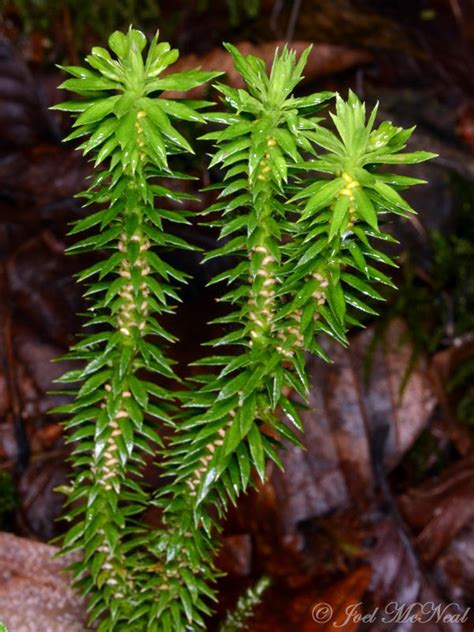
{"points": [[439, 510], [34, 590]]}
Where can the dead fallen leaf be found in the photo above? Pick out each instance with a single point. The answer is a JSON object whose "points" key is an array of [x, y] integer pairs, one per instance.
{"points": [[439, 510], [399, 578], [24, 118], [455, 566], [40, 505], [34, 590], [442, 368]]}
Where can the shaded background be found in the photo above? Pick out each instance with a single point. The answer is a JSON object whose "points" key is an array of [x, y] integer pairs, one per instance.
{"points": [[380, 507]]}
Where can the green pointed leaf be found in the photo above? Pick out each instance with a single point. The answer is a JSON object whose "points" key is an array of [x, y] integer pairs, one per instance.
{"points": [[340, 215], [290, 412], [365, 208], [390, 195], [256, 450]]}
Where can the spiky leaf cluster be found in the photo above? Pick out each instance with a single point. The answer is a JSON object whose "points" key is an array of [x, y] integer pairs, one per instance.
{"points": [[301, 250], [233, 424], [129, 131], [332, 260], [296, 263]]}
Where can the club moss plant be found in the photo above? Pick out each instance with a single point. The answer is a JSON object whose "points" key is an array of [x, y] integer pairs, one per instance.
{"points": [[299, 208]]}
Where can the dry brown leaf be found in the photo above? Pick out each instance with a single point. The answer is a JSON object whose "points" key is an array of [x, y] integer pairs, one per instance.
{"points": [[455, 566], [24, 118], [399, 578], [34, 590], [439, 510], [442, 367]]}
